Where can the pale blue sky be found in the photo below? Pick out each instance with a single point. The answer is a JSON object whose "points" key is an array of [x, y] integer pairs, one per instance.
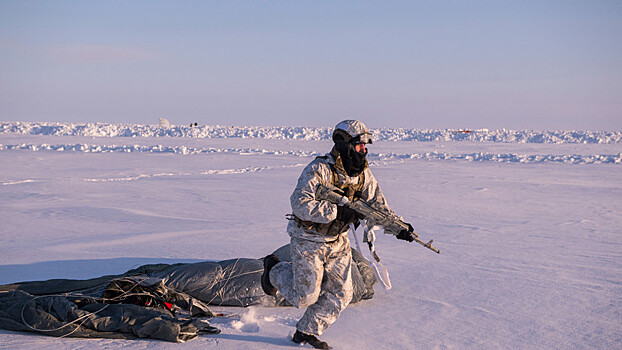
{"points": [[434, 64]]}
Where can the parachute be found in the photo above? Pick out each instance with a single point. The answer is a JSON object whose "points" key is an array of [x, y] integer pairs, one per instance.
{"points": [[160, 301]]}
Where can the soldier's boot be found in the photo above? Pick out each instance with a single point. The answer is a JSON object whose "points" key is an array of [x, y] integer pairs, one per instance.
{"points": [[300, 338], [268, 263]]}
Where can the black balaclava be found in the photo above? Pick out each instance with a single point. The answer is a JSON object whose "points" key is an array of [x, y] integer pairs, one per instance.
{"points": [[353, 162]]}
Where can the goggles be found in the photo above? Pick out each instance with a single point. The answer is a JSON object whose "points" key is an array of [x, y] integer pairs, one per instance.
{"points": [[362, 138]]}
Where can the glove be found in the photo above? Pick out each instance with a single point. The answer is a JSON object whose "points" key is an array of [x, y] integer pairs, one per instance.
{"points": [[346, 214], [407, 235]]}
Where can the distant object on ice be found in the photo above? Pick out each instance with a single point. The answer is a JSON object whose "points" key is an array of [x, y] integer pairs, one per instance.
{"points": [[164, 123]]}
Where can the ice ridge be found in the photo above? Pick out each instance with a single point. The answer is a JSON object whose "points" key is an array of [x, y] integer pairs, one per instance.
{"points": [[375, 158], [309, 133]]}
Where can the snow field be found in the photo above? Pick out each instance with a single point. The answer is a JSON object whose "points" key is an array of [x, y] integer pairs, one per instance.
{"points": [[531, 252]]}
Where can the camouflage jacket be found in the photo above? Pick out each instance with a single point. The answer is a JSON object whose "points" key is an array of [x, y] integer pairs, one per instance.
{"points": [[307, 207]]}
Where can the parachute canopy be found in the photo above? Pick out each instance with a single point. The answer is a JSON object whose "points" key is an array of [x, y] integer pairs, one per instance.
{"points": [[160, 301]]}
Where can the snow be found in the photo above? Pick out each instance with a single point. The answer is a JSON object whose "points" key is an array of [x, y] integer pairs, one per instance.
{"points": [[164, 129], [528, 224]]}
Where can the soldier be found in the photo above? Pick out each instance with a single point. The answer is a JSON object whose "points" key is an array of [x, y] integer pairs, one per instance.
{"points": [[318, 276]]}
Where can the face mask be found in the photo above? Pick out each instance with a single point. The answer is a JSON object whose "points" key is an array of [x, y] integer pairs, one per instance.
{"points": [[353, 162]]}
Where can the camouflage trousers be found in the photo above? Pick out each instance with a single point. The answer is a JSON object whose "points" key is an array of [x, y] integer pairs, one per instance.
{"points": [[318, 278]]}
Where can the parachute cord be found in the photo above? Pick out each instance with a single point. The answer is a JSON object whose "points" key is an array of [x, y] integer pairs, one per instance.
{"points": [[381, 272], [221, 290], [82, 318], [85, 317]]}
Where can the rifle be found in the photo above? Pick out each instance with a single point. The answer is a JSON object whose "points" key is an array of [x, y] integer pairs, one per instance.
{"points": [[388, 220]]}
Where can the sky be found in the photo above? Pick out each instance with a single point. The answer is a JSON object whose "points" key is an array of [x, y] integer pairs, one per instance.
{"points": [[412, 64]]}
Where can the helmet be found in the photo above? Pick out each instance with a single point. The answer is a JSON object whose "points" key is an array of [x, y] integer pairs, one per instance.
{"points": [[347, 134], [351, 131]]}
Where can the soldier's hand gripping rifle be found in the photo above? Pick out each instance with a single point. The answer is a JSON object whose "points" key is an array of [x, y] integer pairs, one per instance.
{"points": [[389, 221]]}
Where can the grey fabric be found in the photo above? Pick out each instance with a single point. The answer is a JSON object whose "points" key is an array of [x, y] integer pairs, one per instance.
{"points": [[60, 316], [234, 282], [47, 305], [151, 291]]}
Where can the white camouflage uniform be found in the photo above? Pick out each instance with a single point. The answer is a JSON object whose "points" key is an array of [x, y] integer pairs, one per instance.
{"points": [[318, 277]]}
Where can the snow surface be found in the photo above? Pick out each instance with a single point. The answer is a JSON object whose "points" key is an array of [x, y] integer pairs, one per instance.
{"points": [[528, 224]]}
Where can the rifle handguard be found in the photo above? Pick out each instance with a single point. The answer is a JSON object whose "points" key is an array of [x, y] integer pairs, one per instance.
{"points": [[390, 222]]}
